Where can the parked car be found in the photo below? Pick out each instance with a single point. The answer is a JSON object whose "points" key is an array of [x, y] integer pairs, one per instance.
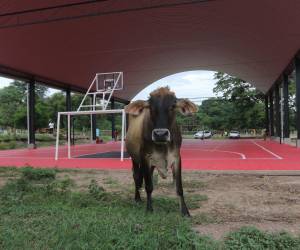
{"points": [[203, 134], [234, 134]]}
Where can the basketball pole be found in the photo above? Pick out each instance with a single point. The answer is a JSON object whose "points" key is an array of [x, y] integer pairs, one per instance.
{"points": [[123, 134], [114, 77], [57, 136]]}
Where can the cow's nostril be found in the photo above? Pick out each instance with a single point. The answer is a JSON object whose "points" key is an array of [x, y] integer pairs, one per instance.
{"points": [[161, 132], [161, 135]]}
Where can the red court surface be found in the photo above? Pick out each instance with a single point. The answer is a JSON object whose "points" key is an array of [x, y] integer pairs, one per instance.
{"points": [[243, 154]]}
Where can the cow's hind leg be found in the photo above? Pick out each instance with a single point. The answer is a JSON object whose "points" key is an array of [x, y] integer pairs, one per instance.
{"points": [[179, 190], [148, 172], [138, 180]]}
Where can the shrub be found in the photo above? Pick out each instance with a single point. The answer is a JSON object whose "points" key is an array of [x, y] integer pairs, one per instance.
{"points": [[45, 137], [36, 174], [252, 238], [96, 191], [65, 184], [8, 145]]}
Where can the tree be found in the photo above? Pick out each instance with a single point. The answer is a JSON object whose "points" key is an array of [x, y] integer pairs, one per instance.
{"points": [[235, 89], [12, 106], [40, 90], [292, 101], [216, 113], [247, 102]]}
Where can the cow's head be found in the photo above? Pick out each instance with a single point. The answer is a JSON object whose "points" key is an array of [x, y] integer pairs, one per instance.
{"points": [[162, 105]]}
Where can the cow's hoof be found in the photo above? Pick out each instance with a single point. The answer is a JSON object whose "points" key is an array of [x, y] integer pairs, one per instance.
{"points": [[149, 210], [185, 212], [186, 215], [138, 199]]}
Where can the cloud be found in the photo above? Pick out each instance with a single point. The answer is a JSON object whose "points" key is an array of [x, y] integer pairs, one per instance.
{"points": [[194, 76], [4, 82], [189, 84]]}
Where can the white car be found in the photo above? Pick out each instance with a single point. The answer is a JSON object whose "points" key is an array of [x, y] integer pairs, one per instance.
{"points": [[203, 134], [234, 134]]}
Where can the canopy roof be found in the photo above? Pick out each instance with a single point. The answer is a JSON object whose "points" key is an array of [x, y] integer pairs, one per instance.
{"points": [[65, 42]]}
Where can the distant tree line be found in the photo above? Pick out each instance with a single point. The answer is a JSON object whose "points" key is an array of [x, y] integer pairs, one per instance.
{"points": [[238, 106], [13, 108]]}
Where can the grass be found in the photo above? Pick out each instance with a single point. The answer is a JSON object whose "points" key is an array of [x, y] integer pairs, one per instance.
{"points": [[194, 200], [199, 185], [14, 141], [204, 219], [252, 238], [37, 211], [42, 213], [30, 173], [11, 145], [111, 181]]}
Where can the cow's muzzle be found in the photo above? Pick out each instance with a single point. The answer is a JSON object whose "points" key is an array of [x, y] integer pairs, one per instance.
{"points": [[161, 135]]}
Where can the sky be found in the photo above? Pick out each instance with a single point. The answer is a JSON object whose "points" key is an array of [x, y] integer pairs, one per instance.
{"points": [[5, 82], [189, 84]]}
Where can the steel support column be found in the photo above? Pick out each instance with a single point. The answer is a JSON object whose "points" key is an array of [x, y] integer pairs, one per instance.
{"points": [[271, 113], [297, 68], [277, 112], [113, 126], [286, 126], [68, 100], [31, 114], [267, 122], [94, 125]]}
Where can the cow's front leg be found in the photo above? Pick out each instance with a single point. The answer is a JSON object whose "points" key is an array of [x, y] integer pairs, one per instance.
{"points": [[138, 180], [148, 171], [173, 174], [177, 169]]}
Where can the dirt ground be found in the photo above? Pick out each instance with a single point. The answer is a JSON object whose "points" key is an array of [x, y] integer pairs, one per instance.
{"points": [[229, 201]]}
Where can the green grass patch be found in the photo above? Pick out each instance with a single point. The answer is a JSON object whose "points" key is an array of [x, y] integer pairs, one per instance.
{"points": [[9, 169], [46, 216], [199, 185], [9, 172], [111, 181], [38, 211], [38, 173], [8, 145], [204, 219], [252, 238], [194, 200]]}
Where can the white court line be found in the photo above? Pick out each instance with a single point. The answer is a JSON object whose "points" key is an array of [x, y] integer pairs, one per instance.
{"points": [[77, 154], [185, 158], [47, 158], [221, 159], [216, 150], [242, 155], [267, 150], [82, 155]]}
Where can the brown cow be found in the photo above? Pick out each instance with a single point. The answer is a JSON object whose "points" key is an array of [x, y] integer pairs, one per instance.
{"points": [[154, 139]]}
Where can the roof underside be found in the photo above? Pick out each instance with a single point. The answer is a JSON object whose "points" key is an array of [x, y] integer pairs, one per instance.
{"points": [[147, 40]]}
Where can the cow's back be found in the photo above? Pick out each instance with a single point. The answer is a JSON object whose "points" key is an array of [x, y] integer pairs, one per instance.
{"points": [[134, 136]]}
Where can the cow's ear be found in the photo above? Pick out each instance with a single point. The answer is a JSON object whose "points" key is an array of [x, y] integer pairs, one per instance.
{"points": [[186, 107], [136, 107]]}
